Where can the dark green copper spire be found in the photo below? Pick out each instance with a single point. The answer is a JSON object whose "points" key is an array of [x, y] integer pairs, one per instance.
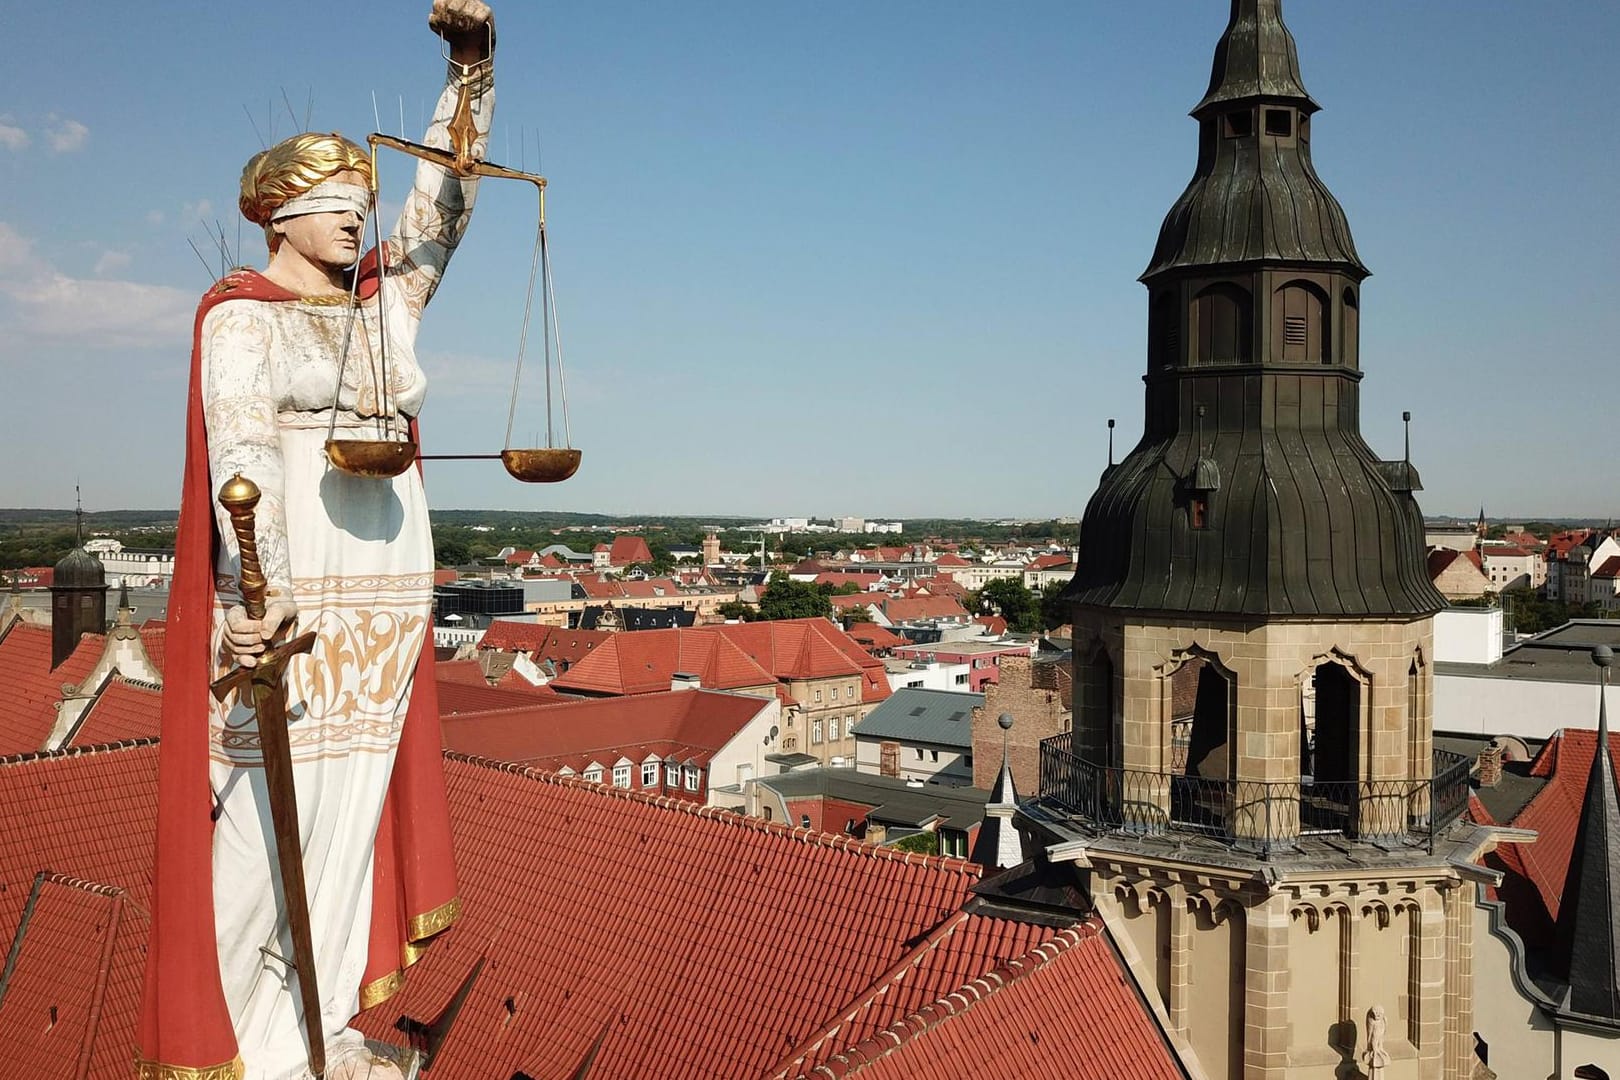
{"points": [[1252, 492]]}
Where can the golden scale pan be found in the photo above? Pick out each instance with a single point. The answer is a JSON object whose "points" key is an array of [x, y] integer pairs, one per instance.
{"points": [[390, 456]]}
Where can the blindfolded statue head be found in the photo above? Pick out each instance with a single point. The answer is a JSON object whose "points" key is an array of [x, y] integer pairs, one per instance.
{"points": [[311, 192]]}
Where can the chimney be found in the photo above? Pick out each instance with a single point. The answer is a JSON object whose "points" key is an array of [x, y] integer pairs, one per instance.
{"points": [[685, 680], [1490, 765]]}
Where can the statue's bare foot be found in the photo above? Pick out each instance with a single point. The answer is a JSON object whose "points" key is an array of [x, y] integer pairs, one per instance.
{"points": [[364, 1066]]}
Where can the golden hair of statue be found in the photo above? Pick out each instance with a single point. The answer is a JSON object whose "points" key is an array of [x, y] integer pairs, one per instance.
{"points": [[290, 168]]}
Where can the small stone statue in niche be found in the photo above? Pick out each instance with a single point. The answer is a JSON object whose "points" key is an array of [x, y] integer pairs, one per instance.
{"points": [[1375, 1056]]}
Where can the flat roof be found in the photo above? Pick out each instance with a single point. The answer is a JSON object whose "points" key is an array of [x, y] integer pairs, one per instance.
{"points": [[894, 801]]}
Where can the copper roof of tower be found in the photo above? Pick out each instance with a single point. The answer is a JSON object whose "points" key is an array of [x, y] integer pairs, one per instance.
{"points": [[1251, 491], [1256, 58], [79, 569], [1255, 196]]}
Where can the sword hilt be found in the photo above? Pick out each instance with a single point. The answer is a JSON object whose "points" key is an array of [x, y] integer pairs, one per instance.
{"points": [[239, 496]]}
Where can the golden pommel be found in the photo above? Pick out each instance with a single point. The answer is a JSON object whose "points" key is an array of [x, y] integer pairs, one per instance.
{"points": [[239, 494]]}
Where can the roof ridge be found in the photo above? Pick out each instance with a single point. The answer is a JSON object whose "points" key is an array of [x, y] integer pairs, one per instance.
{"points": [[956, 1002], [814, 837], [896, 973], [74, 751]]}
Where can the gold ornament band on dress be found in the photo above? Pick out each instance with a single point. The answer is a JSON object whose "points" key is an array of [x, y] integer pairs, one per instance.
{"points": [[154, 1070], [380, 990], [428, 923]]}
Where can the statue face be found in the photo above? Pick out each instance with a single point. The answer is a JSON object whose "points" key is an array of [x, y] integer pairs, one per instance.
{"points": [[327, 239]]}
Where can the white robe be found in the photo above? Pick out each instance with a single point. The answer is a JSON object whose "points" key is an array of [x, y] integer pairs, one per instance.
{"points": [[356, 556]]}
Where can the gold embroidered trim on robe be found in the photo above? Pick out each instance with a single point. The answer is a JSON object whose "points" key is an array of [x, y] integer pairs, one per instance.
{"points": [[376, 992], [153, 1070], [432, 922]]}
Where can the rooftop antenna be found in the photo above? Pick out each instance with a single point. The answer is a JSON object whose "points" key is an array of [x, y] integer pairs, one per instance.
{"points": [[78, 513], [1110, 442], [1406, 419], [1201, 411]]}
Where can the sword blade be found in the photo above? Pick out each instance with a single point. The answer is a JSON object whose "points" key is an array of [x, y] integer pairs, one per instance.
{"points": [[270, 710]]}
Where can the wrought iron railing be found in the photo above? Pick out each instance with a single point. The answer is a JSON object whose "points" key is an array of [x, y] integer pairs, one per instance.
{"points": [[1256, 815]]}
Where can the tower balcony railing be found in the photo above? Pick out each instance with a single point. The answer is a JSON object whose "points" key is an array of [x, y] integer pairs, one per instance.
{"points": [[1263, 817]]}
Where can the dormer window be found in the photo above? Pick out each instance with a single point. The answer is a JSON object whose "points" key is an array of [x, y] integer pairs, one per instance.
{"points": [[1238, 125], [1279, 122], [1198, 511]]}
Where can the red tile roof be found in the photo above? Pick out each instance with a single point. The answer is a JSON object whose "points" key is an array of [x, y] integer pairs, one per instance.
{"points": [[1609, 569], [121, 712], [30, 690], [70, 1002], [924, 607], [658, 929], [562, 647], [654, 928], [951, 561], [519, 558], [517, 684], [995, 625], [466, 672], [91, 814], [1020, 1020], [873, 637], [1565, 761], [806, 649], [459, 697], [685, 724], [856, 600], [1049, 562], [629, 549], [644, 661]]}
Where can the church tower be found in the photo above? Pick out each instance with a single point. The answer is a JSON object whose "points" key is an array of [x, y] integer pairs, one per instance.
{"points": [[78, 598], [1249, 788]]}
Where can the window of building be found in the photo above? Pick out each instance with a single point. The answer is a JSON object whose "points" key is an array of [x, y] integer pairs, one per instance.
{"points": [[933, 755], [834, 694], [593, 773], [1198, 511], [849, 726], [818, 697], [804, 821], [1237, 125], [919, 753], [1279, 122], [953, 843], [961, 680], [691, 778], [1223, 324], [672, 775], [815, 731], [621, 775], [649, 774]]}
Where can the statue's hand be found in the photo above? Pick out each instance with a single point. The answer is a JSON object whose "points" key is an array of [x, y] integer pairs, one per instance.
{"points": [[467, 25], [246, 637]]}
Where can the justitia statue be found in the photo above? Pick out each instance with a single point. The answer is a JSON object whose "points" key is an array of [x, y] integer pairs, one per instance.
{"points": [[349, 558]]}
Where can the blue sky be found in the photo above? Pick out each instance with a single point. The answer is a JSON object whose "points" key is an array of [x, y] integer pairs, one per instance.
{"points": [[833, 258]]}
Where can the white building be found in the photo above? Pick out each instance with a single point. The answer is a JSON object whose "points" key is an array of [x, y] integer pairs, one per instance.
{"points": [[137, 568], [1529, 689], [924, 735]]}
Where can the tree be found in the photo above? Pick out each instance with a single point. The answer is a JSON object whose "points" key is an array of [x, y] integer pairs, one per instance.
{"points": [[451, 551], [736, 609], [788, 599], [1055, 612], [1009, 599], [856, 615], [921, 843]]}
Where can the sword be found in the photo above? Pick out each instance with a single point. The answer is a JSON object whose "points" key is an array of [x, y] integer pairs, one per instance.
{"points": [[269, 698]]}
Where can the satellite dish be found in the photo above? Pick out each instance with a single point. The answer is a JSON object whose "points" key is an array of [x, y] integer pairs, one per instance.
{"points": [[773, 731]]}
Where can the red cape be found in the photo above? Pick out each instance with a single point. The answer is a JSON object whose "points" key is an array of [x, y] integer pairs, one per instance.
{"points": [[185, 1028]]}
